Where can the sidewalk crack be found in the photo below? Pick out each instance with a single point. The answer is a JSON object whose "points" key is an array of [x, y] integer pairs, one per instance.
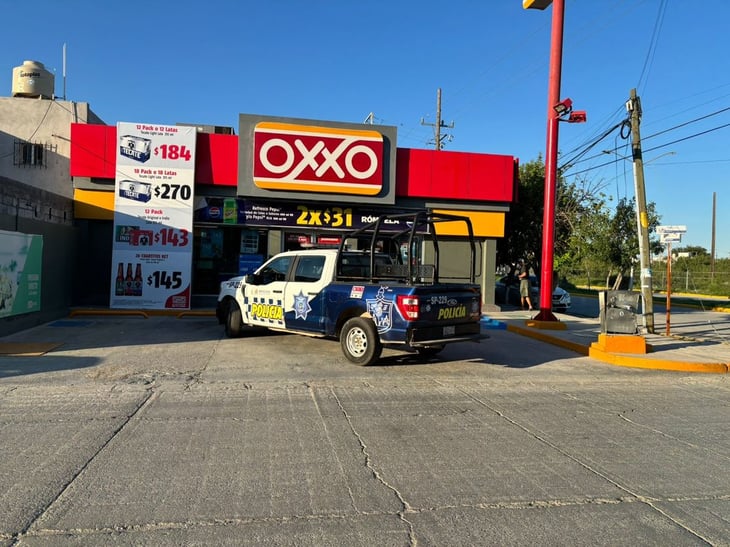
{"points": [[405, 506]]}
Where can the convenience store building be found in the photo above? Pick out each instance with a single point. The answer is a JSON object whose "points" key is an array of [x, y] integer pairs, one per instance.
{"points": [[285, 183]]}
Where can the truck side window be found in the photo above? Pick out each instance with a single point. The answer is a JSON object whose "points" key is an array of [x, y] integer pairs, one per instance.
{"points": [[275, 270], [309, 269]]}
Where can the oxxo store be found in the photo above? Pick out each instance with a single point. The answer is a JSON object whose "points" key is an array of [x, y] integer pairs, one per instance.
{"points": [[287, 183]]}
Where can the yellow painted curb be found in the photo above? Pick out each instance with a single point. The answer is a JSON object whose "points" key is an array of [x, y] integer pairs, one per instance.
{"points": [[27, 349], [657, 364], [196, 313], [546, 325], [537, 335], [145, 313]]}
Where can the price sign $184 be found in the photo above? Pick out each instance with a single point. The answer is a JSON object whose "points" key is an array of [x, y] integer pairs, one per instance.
{"points": [[173, 152], [167, 280]]}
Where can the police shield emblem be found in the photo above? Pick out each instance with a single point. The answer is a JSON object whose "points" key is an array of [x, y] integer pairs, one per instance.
{"points": [[381, 310]]}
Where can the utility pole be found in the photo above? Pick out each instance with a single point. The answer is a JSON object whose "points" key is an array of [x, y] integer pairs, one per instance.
{"points": [[642, 218], [439, 124]]}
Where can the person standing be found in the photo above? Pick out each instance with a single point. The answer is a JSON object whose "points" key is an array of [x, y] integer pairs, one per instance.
{"points": [[524, 277]]}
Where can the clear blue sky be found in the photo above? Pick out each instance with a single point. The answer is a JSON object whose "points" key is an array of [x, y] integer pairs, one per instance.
{"points": [[206, 62]]}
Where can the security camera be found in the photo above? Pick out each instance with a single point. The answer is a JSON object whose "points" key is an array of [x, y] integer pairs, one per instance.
{"points": [[563, 107], [578, 116]]}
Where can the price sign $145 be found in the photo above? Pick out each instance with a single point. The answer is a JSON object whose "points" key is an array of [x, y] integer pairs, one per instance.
{"points": [[163, 279]]}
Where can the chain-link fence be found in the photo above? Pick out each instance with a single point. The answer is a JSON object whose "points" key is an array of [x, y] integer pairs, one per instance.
{"points": [[684, 280]]}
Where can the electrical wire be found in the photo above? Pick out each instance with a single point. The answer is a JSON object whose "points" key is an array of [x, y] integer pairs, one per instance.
{"points": [[653, 42], [625, 125], [43, 119], [688, 122], [577, 157], [659, 147]]}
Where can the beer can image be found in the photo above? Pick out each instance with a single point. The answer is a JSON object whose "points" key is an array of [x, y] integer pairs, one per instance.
{"points": [[137, 148], [141, 237], [133, 189]]}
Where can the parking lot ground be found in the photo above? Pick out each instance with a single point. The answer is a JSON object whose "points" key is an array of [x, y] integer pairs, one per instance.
{"points": [[160, 431]]}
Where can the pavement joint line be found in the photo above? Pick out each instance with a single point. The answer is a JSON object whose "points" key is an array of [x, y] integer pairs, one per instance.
{"points": [[146, 402]]}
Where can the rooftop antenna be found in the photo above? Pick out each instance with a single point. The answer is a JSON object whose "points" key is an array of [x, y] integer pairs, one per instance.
{"points": [[64, 71]]}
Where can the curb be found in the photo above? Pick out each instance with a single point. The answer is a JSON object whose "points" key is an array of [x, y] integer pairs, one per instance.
{"points": [[144, 313], [632, 361], [537, 335], [621, 359]]}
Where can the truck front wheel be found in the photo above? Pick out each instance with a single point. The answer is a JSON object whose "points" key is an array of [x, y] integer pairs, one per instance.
{"points": [[233, 320], [360, 341]]}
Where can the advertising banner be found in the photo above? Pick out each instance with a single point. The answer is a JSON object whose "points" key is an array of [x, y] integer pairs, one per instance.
{"points": [[294, 215], [153, 217], [21, 259]]}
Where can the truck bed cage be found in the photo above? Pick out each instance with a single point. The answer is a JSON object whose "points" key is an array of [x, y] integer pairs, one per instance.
{"points": [[394, 232]]}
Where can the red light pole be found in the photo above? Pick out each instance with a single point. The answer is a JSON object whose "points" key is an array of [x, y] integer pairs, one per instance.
{"points": [[551, 156]]}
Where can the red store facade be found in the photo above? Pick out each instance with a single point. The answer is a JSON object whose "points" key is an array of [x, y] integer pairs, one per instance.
{"points": [[283, 183]]}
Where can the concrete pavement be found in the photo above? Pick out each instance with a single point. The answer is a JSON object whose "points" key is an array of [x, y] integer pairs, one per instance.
{"points": [[160, 431]]}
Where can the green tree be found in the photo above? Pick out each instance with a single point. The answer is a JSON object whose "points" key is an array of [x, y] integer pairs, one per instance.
{"points": [[523, 224], [579, 210], [622, 251], [589, 237]]}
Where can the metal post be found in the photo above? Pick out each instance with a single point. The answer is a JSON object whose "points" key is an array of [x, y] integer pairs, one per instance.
{"points": [[669, 284], [551, 165]]}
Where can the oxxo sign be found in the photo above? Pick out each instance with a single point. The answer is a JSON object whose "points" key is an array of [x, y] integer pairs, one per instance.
{"points": [[305, 158]]}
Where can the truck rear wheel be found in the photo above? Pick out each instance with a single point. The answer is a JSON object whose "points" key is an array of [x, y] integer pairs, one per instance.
{"points": [[360, 341], [233, 320]]}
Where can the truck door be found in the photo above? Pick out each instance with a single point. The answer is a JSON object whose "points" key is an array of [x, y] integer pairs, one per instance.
{"points": [[304, 309], [264, 301]]}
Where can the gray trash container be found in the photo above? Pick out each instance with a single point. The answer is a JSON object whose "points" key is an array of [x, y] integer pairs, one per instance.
{"points": [[618, 311]]}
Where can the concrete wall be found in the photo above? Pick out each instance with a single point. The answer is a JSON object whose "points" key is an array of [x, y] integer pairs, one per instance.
{"points": [[46, 123], [38, 199]]}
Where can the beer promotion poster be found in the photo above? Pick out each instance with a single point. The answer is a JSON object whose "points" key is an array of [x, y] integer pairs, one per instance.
{"points": [[152, 248], [21, 259]]}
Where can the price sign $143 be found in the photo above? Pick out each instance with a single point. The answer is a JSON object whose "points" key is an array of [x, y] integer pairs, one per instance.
{"points": [[167, 280], [172, 237]]}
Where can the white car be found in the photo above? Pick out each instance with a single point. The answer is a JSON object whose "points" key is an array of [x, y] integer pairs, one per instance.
{"points": [[507, 291]]}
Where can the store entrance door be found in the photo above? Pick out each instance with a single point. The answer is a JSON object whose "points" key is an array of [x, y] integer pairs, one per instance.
{"points": [[222, 252]]}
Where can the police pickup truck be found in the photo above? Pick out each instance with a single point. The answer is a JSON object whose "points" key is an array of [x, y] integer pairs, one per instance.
{"points": [[378, 294]]}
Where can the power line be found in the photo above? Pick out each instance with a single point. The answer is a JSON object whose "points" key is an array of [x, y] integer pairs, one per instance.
{"points": [[653, 42], [659, 147], [678, 126], [689, 122], [594, 143]]}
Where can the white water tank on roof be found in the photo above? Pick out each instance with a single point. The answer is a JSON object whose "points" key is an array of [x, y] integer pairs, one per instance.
{"points": [[31, 79]]}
